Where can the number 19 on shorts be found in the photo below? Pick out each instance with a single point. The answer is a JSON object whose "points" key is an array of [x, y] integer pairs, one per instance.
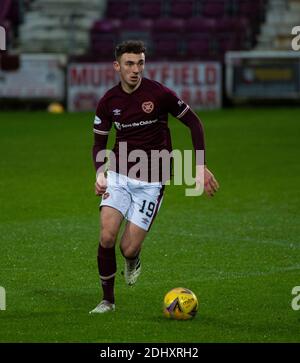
{"points": [[147, 208]]}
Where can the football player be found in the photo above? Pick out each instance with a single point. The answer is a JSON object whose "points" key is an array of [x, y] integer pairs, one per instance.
{"points": [[138, 107]]}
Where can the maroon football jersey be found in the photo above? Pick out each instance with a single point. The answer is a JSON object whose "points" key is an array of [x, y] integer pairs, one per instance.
{"points": [[140, 119]]}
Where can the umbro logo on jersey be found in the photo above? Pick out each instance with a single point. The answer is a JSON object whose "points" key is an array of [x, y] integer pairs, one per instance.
{"points": [[180, 102], [117, 112], [148, 106], [97, 121]]}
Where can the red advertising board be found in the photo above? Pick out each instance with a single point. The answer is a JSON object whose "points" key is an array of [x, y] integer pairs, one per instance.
{"points": [[198, 84]]}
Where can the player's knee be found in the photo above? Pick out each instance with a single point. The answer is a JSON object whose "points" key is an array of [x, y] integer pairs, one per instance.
{"points": [[129, 251], [107, 239]]}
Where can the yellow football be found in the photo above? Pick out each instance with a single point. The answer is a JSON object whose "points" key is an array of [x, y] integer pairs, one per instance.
{"points": [[180, 304]]}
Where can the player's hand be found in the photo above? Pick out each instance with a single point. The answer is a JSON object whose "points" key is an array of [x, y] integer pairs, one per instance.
{"points": [[101, 184], [210, 183]]}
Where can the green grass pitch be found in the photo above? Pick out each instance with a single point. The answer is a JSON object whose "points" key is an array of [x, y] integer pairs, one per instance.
{"points": [[239, 251]]}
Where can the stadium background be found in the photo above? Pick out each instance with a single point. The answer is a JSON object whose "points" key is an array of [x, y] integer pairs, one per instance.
{"points": [[232, 60]]}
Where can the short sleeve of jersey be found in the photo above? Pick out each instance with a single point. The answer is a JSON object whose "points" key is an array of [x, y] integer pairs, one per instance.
{"points": [[102, 122], [174, 105]]}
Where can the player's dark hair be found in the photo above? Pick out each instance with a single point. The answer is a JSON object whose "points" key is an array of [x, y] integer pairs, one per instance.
{"points": [[130, 46]]}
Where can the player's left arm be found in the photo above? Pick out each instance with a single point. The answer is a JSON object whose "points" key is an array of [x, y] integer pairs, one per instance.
{"points": [[179, 109], [203, 174]]}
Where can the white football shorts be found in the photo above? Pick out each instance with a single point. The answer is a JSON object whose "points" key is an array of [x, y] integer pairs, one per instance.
{"points": [[138, 201]]}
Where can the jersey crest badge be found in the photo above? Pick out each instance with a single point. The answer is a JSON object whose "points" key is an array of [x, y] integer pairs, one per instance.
{"points": [[148, 106]]}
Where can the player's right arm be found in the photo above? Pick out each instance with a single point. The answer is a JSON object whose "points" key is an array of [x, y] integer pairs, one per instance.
{"points": [[102, 126]]}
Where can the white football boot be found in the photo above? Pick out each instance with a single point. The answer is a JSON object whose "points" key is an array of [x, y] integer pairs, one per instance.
{"points": [[104, 307], [132, 271]]}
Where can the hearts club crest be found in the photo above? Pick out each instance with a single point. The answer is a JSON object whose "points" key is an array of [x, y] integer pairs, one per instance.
{"points": [[148, 106]]}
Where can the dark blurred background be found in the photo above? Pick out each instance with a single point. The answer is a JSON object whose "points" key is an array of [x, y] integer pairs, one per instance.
{"points": [[43, 37]]}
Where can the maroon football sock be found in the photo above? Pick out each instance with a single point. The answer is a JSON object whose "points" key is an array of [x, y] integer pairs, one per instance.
{"points": [[107, 267]]}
